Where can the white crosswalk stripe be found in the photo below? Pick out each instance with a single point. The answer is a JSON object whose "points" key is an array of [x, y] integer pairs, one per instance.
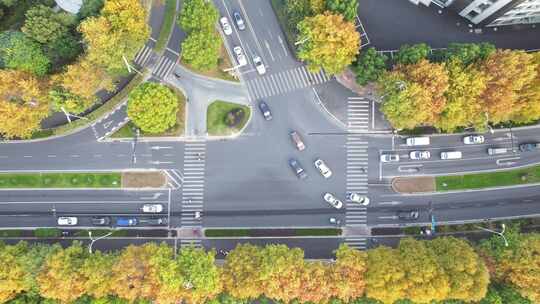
{"points": [[284, 82], [141, 58], [190, 242], [174, 178], [356, 179], [163, 67], [358, 114], [193, 183], [356, 242]]}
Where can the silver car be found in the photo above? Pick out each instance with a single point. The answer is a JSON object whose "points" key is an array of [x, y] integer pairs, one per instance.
{"points": [[332, 200], [420, 155]]}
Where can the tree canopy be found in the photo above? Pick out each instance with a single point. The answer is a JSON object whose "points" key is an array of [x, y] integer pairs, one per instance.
{"points": [[21, 53], [201, 50], [46, 26], [347, 8], [198, 15], [328, 42], [370, 66], [152, 107]]}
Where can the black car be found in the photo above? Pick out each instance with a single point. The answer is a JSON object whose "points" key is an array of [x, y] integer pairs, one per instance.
{"points": [[265, 110], [101, 221], [157, 221], [239, 21], [297, 168], [408, 215], [529, 147]]}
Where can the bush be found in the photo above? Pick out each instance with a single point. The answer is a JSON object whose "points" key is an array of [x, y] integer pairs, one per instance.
{"points": [[47, 232], [234, 117]]}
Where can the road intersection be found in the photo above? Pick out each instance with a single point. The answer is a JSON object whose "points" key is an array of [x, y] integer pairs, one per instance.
{"points": [[245, 181]]}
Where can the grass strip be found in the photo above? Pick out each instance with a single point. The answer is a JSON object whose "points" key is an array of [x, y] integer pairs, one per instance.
{"points": [[166, 27], [47, 232], [272, 232], [317, 231], [491, 179], [61, 180], [11, 233], [217, 115], [101, 111]]}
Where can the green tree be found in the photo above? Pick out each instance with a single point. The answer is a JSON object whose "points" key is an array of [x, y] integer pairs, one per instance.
{"points": [[468, 276], [463, 104], [199, 269], [120, 31], [370, 66], [347, 8], [411, 54], [329, 42], [152, 107], [201, 50], [63, 50], [44, 25], [469, 53], [61, 278], [97, 273], [90, 8], [297, 10], [198, 15], [20, 53], [62, 99]]}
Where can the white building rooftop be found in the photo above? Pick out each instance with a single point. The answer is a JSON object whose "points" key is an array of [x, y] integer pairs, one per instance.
{"points": [[71, 6]]}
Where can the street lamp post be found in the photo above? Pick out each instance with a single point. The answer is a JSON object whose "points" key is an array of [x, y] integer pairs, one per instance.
{"points": [[92, 241], [501, 234]]}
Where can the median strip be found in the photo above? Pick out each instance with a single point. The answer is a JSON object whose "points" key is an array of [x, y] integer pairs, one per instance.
{"points": [[61, 180], [514, 177], [299, 232]]}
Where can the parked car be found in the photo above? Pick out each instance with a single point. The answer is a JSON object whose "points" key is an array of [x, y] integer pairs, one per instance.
{"points": [[259, 65], [225, 25], [323, 168], [408, 215], [495, 151], [239, 21], [529, 147], [332, 200], [240, 57], [389, 158], [158, 221], [473, 139], [297, 168], [357, 198], [297, 141], [420, 155], [67, 221], [265, 110], [152, 208], [101, 221], [126, 221]]}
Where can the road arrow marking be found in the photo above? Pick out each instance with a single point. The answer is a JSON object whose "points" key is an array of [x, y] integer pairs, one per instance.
{"points": [[390, 203], [506, 161], [157, 162], [160, 147], [107, 124]]}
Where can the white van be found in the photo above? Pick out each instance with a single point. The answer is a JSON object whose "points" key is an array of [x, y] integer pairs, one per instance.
{"points": [[417, 141], [494, 151], [451, 155]]}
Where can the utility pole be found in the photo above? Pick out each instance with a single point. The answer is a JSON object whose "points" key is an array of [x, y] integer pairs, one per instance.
{"points": [[92, 241]]}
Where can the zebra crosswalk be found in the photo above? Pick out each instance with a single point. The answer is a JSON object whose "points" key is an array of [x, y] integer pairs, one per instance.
{"points": [[193, 185], [190, 242], [356, 242], [284, 82], [356, 178], [164, 66], [358, 114], [174, 178], [144, 54]]}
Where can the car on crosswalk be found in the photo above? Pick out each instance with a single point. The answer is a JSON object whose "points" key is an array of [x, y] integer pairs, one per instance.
{"points": [[357, 198], [240, 57], [225, 25], [259, 65]]}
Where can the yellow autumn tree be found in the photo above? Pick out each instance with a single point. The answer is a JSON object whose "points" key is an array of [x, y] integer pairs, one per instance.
{"points": [[508, 72], [23, 103], [120, 30], [12, 272], [350, 268], [328, 41], [386, 279], [529, 99], [61, 278]]}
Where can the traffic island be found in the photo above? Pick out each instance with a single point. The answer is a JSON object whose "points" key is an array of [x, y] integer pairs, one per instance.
{"points": [[61, 180], [413, 184], [226, 118], [154, 179]]}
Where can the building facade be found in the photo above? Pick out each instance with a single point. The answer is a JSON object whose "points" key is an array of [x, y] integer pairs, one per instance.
{"points": [[492, 12]]}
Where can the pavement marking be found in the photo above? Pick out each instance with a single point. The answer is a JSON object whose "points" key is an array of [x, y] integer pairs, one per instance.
{"points": [[193, 184], [51, 155], [27, 156]]}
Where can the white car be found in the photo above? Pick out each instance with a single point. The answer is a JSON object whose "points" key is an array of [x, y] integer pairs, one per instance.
{"points": [[259, 65], [332, 200], [389, 158], [473, 139], [67, 221], [240, 57], [323, 168], [225, 25], [152, 208], [420, 155], [357, 198]]}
